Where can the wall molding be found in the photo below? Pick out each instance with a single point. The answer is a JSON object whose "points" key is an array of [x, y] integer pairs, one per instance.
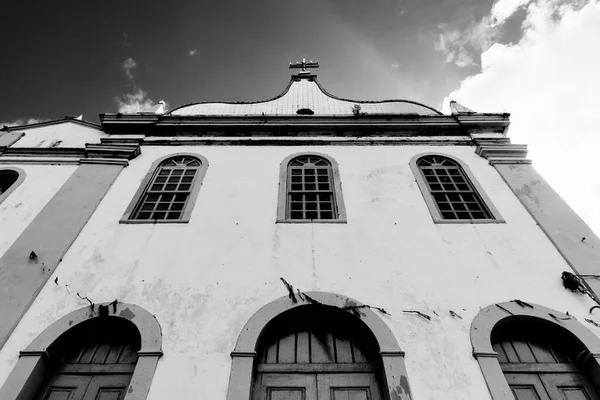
{"points": [[502, 153]]}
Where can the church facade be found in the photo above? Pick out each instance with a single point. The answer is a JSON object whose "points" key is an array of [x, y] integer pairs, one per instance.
{"points": [[302, 247]]}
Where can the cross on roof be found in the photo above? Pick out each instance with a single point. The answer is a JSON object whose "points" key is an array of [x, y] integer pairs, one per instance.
{"points": [[304, 65]]}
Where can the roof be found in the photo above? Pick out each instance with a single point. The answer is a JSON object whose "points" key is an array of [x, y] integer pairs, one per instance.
{"points": [[75, 120], [304, 93]]}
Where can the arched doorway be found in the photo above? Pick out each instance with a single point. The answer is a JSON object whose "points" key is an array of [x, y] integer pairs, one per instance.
{"points": [[109, 328], [542, 362], [317, 352], [530, 352], [94, 360]]}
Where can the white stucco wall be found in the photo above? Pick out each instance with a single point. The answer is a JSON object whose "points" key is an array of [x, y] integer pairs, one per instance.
{"points": [[28, 199], [203, 280], [64, 134]]}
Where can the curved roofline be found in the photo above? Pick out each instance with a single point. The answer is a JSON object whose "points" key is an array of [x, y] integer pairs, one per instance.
{"points": [[325, 92]]}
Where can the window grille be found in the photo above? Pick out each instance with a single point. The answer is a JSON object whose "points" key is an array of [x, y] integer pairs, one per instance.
{"points": [[169, 190], [311, 194], [452, 191]]}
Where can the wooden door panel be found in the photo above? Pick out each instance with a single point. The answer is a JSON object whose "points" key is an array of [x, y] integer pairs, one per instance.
{"points": [[350, 386], [527, 387], [65, 387], [569, 387], [286, 387], [107, 387]]}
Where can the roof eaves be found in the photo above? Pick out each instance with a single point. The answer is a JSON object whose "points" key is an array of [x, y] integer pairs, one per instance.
{"points": [[52, 122]]}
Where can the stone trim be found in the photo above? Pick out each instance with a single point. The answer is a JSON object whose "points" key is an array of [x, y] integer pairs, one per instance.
{"points": [[195, 189], [7, 139], [430, 202], [50, 235], [29, 373], [337, 191], [505, 153], [563, 227], [15, 184], [394, 371], [488, 318], [92, 151]]}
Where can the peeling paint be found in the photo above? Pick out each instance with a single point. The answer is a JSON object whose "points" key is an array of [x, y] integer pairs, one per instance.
{"points": [[127, 314]]}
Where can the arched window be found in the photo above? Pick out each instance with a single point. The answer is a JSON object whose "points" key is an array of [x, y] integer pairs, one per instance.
{"points": [[317, 352], [450, 191], [529, 352], [310, 190], [108, 351], [169, 190], [10, 178]]}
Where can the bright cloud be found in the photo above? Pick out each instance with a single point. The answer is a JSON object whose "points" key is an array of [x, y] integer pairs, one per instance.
{"points": [[134, 102], [463, 45], [138, 99], [23, 121], [549, 83], [192, 53]]}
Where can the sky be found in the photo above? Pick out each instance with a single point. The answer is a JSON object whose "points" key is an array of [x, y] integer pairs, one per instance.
{"points": [[536, 59]]}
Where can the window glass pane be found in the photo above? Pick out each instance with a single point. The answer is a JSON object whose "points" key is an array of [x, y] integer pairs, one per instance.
{"points": [[307, 175], [176, 174], [450, 189], [311, 215]]}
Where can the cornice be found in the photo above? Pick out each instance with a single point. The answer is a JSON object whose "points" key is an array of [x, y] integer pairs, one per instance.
{"points": [[502, 153], [100, 153], [294, 141], [401, 124]]}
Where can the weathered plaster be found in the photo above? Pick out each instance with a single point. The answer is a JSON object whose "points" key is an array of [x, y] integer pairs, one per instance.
{"points": [[66, 134], [30, 260], [9, 138], [21, 206], [577, 243], [205, 279]]}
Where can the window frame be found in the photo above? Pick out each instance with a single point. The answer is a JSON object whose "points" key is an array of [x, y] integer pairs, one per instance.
{"points": [[431, 203], [16, 183], [338, 198], [145, 184]]}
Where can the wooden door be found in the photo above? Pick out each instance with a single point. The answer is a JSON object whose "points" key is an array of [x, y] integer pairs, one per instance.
{"points": [[347, 387], [539, 371], [85, 387], [65, 387], [286, 387], [569, 387], [526, 387]]}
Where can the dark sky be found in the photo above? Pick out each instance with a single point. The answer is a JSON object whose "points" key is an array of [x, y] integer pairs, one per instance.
{"points": [[65, 58]]}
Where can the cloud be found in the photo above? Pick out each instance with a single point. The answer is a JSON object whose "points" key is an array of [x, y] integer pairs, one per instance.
{"points": [[462, 45], [549, 83], [134, 102], [129, 66], [23, 121], [192, 53], [138, 99]]}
